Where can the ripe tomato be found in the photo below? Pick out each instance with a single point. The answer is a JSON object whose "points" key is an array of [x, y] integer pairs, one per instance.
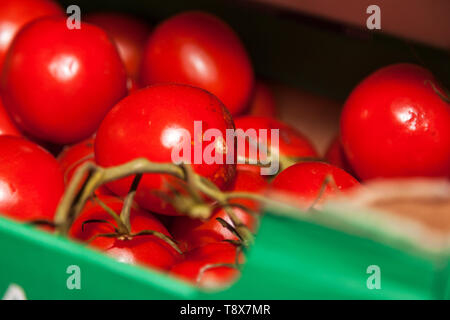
{"points": [[31, 181], [335, 155], [132, 85], [7, 126], [192, 233], [59, 83], [395, 123], [147, 124], [72, 157], [15, 14], [263, 102], [147, 250], [199, 49], [128, 33], [210, 254], [305, 180], [292, 143]]}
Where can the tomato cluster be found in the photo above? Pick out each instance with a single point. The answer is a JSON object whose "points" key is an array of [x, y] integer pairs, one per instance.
{"points": [[117, 95]]}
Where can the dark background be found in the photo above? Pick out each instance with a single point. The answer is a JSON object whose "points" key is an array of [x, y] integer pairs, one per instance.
{"points": [[323, 57]]}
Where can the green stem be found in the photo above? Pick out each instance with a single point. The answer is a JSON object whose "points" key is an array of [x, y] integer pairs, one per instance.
{"points": [[128, 202]]}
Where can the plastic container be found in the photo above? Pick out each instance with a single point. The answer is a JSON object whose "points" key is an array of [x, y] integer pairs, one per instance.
{"points": [[324, 256]]}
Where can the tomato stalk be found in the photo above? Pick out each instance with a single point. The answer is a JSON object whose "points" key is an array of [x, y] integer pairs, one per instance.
{"points": [[283, 160], [439, 93], [329, 180], [197, 186], [74, 199], [213, 266]]}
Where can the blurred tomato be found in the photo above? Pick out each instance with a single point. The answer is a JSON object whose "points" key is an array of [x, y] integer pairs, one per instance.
{"points": [[305, 180], [199, 49], [335, 155], [201, 265], [263, 101], [129, 34]]}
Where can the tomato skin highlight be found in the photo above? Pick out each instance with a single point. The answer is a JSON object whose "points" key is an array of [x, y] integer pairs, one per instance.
{"points": [[199, 49], [59, 83], [146, 124], [304, 181], [128, 33], [394, 124], [192, 233], [31, 180], [16, 14], [7, 126], [209, 254], [146, 250], [292, 143]]}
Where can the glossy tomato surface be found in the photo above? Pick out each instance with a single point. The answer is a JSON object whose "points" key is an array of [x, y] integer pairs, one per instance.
{"points": [[199, 49], [192, 269], [262, 102], [192, 233], [129, 34], [150, 123], [395, 123], [305, 180], [147, 250], [31, 181], [14, 14], [7, 126], [59, 83], [291, 142]]}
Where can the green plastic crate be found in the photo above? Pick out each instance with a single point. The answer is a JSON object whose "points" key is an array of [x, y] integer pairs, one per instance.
{"points": [[324, 256]]}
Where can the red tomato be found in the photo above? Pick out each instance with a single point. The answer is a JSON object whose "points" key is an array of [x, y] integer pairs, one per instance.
{"points": [[75, 155], [7, 126], [147, 124], [147, 250], [395, 123], [132, 86], [335, 155], [14, 14], [59, 83], [199, 49], [305, 180], [128, 33], [292, 143], [263, 101], [210, 254], [192, 233], [72, 157], [31, 181]]}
